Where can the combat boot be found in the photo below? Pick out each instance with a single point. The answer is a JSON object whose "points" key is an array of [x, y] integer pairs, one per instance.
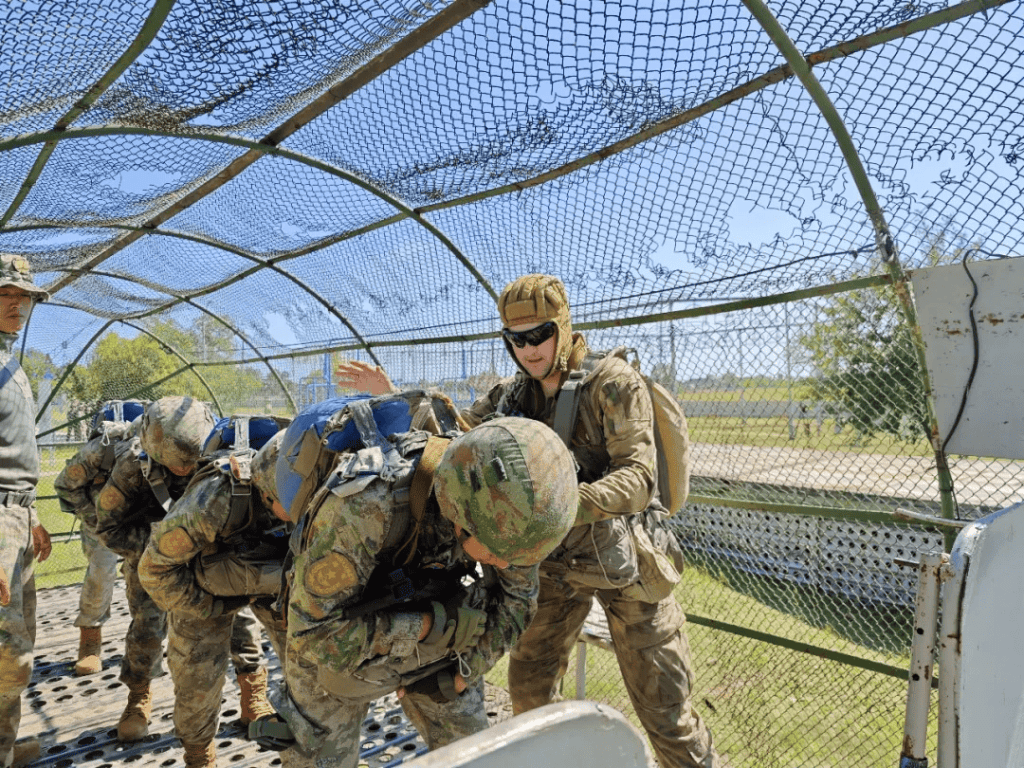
{"points": [[89, 649], [253, 696], [200, 755], [25, 752], [134, 723]]}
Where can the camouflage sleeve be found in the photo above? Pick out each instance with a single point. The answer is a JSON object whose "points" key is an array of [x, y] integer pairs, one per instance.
{"points": [[619, 398], [511, 605], [75, 480], [484, 405], [194, 522], [343, 541], [122, 522]]}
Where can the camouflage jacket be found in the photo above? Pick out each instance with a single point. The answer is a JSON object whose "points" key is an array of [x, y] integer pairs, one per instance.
{"points": [[83, 475], [199, 534], [19, 457], [339, 545], [613, 441], [126, 506]]}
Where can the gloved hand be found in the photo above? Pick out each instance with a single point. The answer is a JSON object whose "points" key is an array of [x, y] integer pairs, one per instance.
{"points": [[271, 732], [457, 626]]}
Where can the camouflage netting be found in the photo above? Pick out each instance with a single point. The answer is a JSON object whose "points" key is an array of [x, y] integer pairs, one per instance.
{"points": [[226, 198]]}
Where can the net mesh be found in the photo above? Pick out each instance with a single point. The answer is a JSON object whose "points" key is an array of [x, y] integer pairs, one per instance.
{"points": [[226, 199]]}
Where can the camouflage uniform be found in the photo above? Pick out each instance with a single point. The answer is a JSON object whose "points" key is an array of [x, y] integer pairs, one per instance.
{"points": [[337, 664], [613, 443], [76, 486], [198, 535], [19, 474]]}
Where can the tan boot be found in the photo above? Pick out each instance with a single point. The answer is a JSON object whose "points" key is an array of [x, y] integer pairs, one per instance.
{"points": [[200, 755], [89, 649], [253, 697], [25, 752], [134, 723]]}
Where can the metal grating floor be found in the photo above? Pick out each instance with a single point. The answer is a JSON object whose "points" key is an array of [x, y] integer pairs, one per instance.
{"points": [[76, 718]]}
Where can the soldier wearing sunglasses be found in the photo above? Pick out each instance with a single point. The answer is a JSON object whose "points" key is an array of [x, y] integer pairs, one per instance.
{"points": [[618, 516]]}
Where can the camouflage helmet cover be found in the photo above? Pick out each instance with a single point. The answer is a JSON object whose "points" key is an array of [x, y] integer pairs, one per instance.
{"points": [[536, 299], [15, 271], [511, 483], [264, 465], [173, 430]]}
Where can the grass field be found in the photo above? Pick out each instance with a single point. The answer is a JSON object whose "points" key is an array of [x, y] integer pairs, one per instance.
{"points": [[769, 706]]}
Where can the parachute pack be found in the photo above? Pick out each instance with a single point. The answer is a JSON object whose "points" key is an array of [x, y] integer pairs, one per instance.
{"points": [[671, 435], [243, 431], [116, 411], [316, 437]]}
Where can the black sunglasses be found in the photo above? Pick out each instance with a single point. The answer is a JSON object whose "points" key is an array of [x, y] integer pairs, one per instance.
{"points": [[534, 337]]}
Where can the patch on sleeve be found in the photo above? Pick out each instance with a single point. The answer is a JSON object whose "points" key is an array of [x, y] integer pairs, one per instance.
{"points": [[110, 498], [330, 575], [611, 391], [75, 473], [176, 543]]}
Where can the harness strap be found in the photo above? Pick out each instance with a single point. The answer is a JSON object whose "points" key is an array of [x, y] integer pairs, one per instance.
{"points": [[419, 490], [154, 475]]}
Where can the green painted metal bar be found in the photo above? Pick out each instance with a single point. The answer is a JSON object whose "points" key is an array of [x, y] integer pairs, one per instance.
{"points": [[157, 16], [437, 25], [886, 245], [838, 513], [812, 650]]}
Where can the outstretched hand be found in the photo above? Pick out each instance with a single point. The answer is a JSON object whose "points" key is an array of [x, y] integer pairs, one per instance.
{"points": [[363, 377]]}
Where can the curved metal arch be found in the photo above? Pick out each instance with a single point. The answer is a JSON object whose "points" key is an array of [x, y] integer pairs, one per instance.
{"points": [[884, 241], [270, 264], [254, 147], [154, 22], [188, 300]]}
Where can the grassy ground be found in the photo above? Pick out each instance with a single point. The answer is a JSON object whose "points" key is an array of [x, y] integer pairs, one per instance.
{"points": [[769, 706]]}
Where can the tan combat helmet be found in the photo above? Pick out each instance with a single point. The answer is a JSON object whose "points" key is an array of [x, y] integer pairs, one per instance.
{"points": [[511, 483], [15, 271], [173, 430], [537, 299]]}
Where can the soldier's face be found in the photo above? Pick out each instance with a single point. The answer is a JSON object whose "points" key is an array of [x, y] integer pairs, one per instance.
{"points": [[473, 547], [14, 308], [180, 470], [536, 361]]}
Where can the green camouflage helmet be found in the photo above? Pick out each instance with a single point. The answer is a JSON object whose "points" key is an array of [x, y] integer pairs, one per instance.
{"points": [[173, 430], [264, 466], [511, 483]]}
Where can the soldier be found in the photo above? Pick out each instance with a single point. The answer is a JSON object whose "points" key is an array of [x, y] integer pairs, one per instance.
{"points": [[501, 496], [221, 547], [617, 523], [81, 479], [147, 476], [22, 538]]}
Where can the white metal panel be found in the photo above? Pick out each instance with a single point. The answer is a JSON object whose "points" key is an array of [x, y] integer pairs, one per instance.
{"points": [[993, 419]]}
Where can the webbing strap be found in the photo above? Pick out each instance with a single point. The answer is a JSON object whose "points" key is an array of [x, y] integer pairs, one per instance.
{"points": [[567, 405], [419, 489], [155, 477], [8, 371]]}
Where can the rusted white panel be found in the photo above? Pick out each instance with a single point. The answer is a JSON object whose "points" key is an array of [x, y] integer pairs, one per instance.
{"points": [[981, 715], [993, 419], [569, 734]]}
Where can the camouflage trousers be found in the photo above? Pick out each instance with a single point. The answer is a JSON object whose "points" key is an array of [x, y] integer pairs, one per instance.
{"points": [[143, 645], [339, 722], [17, 622], [98, 585], [653, 654], [197, 654]]}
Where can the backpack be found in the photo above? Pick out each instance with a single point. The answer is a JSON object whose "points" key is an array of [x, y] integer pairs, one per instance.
{"points": [[316, 438], [243, 431], [671, 435], [116, 411]]}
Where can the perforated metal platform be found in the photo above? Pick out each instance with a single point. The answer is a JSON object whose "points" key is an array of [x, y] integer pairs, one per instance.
{"points": [[75, 718]]}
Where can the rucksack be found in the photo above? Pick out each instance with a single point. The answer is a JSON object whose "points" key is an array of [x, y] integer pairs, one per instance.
{"points": [[116, 411], [316, 438], [243, 430], [671, 435]]}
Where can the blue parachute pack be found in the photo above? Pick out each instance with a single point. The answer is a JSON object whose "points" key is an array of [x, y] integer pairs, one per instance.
{"points": [[319, 433], [116, 411], [243, 431]]}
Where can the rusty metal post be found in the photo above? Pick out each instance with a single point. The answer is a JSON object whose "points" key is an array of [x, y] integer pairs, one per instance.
{"points": [[922, 663]]}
